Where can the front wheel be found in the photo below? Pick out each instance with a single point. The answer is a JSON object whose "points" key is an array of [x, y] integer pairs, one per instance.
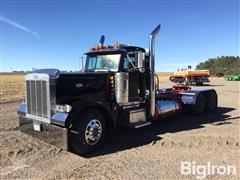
{"points": [[90, 131]]}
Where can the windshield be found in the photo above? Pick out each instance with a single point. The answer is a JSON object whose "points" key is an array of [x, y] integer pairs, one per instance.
{"points": [[103, 62]]}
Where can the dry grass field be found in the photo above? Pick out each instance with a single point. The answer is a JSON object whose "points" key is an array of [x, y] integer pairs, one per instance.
{"points": [[12, 86], [164, 75]]}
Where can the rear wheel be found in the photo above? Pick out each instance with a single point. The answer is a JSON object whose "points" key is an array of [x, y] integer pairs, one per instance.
{"points": [[200, 105], [211, 104], [90, 131]]}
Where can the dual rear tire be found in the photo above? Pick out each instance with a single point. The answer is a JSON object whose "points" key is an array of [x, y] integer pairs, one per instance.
{"points": [[205, 102], [211, 104]]}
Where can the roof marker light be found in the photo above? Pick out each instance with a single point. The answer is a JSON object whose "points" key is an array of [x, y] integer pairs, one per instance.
{"points": [[116, 44]]}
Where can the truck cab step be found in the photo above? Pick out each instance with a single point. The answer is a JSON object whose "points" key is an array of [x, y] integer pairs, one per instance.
{"points": [[135, 118], [138, 124]]}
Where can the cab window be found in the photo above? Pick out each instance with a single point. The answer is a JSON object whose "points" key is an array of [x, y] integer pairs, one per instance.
{"points": [[129, 61]]}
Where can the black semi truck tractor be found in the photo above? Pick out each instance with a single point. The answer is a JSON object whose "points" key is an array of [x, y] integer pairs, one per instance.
{"points": [[118, 87]]}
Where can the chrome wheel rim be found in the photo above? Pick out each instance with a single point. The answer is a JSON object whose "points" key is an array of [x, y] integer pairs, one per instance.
{"points": [[93, 132]]}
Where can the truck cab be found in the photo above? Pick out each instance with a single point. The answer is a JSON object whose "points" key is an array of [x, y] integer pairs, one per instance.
{"points": [[118, 87], [121, 59]]}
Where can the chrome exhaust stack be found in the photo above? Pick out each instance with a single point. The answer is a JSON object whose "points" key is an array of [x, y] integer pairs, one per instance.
{"points": [[102, 40], [152, 69]]}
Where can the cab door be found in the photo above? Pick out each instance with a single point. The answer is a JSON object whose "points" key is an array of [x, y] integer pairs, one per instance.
{"points": [[135, 78]]}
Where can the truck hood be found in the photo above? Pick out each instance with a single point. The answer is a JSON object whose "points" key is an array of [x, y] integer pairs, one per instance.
{"points": [[73, 86]]}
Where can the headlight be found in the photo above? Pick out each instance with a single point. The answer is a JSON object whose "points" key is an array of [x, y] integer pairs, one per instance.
{"points": [[62, 108]]}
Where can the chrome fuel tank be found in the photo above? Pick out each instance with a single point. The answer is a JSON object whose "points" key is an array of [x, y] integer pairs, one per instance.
{"points": [[166, 108]]}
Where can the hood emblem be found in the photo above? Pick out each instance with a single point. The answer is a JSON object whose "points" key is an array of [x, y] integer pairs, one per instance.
{"points": [[79, 85], [35, 77]]}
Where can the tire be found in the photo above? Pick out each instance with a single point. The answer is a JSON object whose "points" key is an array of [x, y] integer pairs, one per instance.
{"points": [[200, 105], [211, 104], [83, 142]]}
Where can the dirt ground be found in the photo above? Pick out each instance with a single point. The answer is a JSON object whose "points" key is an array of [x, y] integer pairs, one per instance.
{"points": [[152, 152]]}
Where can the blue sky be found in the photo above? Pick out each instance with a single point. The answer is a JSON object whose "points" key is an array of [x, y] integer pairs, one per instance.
{"points": [[54, 34]]}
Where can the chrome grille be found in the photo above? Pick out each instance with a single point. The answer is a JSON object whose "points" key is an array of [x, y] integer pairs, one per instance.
{"points": [[37, 96]]}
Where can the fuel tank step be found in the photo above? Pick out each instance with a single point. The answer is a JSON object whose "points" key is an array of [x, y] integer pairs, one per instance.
{"points": [[134, 117]]}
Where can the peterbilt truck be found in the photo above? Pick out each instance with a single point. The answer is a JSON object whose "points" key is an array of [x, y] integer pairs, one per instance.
{"points": [[118, 87]]}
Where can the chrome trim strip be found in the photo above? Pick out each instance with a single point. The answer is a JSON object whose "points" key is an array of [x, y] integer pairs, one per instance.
{"points": [[131, 103], [37, 76], [185, 93], [143, 124]]}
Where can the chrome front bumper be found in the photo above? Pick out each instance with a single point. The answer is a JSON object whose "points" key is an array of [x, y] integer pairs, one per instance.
{"points": [[50, 133]]}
